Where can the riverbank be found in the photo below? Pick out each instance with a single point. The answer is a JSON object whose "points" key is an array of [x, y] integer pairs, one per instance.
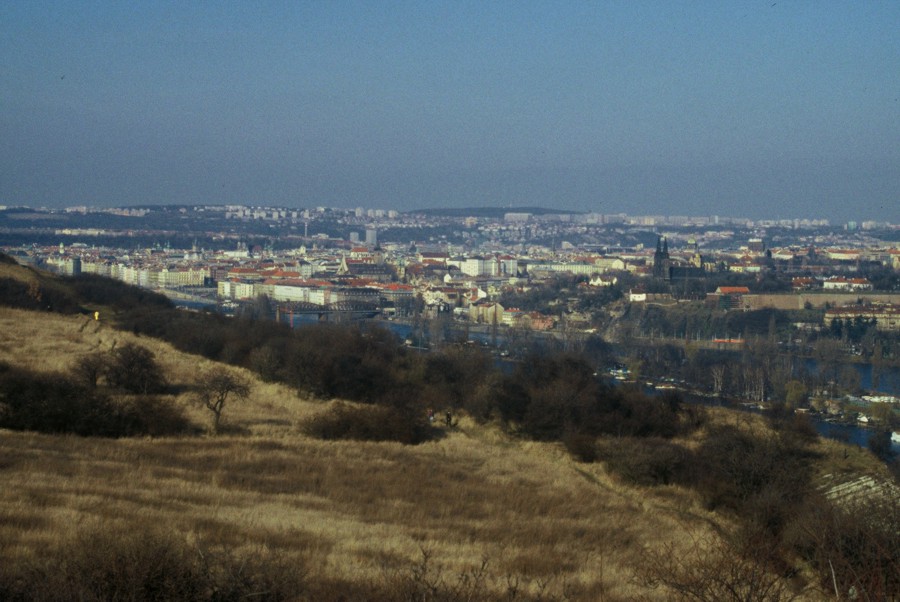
{"points": [[837, 428]]}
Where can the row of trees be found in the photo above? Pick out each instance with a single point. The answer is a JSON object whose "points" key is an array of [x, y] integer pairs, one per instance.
{"points": [[366, 363], [698, 322], [758, 370], [687, 323]]}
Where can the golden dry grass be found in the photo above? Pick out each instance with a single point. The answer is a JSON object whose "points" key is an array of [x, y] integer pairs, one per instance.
{"points": [[355, 508], [350, 510], [17, 272], [46, 342]]}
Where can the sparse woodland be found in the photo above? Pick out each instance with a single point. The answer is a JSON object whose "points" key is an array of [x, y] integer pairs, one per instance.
{"points": [[318, 476]]}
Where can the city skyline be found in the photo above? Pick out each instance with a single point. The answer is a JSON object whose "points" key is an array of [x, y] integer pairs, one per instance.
{"points": [[767, 110]]}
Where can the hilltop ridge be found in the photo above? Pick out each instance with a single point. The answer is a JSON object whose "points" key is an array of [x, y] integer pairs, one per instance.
{"points": [[491, 212]]}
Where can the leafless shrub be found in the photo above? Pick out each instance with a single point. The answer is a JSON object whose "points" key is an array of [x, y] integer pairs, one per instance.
{"points": [[89, 368], [715, 570], [583, 447], [645, 461], [115, 565], [134, 368], [424, 581], [260, 574], [151, 415], [369, 423], [854, 545], [150, 564]]}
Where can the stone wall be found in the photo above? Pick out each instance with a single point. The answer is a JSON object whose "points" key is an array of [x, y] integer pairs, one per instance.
{"points": [[816, 300]]}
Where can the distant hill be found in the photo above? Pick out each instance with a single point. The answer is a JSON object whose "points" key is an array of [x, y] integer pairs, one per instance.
{"points": [[493, 212]]}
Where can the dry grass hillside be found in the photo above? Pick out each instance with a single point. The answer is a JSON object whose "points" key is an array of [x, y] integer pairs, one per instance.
{"points": [[473, 509], [350, 511], [17, 272]]}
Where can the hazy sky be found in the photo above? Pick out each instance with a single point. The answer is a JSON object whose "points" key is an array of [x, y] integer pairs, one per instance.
{"points": [[760, 109]]}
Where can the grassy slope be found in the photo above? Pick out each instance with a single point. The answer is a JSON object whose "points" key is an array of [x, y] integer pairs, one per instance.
{"points": [[9, 269], [349, 510], [353, 508]]}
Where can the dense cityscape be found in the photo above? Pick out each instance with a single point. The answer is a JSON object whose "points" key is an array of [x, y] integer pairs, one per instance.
{"points": [[459, 261], [504, 274]]}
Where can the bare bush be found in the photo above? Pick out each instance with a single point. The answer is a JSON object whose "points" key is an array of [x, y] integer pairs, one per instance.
{"points": [[150, 415], [134, 368], [98, 564], [646, 461], [715, 570], [424, 580], [54, 403], [115, 565], [89, 368], [853, 545], [761, 476], [583, 447], [370, 423]]}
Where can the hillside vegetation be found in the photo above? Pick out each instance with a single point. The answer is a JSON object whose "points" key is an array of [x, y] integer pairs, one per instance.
{"points": [[530, 493], [356, 515]]}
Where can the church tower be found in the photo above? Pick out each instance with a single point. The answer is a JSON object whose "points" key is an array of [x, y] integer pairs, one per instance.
{"points": [[661, 259]]}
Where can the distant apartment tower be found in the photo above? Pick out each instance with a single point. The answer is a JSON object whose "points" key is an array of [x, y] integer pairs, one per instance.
{"points": [[371, 237], [517, 217], [473, 266], [756, 245]]}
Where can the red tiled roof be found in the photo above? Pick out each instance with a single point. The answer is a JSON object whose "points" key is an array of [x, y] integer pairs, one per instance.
{"points": [[281, 274], [396, 286]]}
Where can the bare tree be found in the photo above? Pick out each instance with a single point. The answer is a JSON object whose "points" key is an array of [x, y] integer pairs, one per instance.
{"points": [[718, 377], [215, 387], [829, 353]]}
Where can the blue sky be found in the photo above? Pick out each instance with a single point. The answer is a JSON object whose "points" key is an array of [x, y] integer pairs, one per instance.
{"points": [[758, 109]]}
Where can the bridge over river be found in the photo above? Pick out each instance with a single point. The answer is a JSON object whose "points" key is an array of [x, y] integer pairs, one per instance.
{"points": [[341, 311]]}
